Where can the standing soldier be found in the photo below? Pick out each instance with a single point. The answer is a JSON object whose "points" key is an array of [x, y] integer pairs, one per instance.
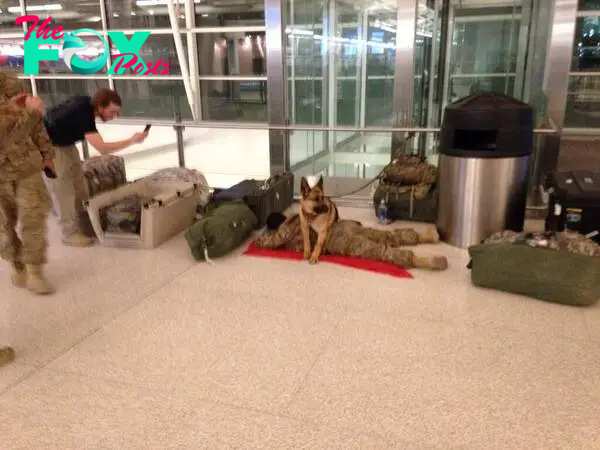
{"points": [[25, 150]]}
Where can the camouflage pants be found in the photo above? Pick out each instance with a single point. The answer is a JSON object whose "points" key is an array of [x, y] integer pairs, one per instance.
{"points": [[349, 239], [26, 201], [69, 189]]}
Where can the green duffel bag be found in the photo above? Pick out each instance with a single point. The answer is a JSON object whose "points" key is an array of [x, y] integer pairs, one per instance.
{"points": [[556, 276], [220, 232]]}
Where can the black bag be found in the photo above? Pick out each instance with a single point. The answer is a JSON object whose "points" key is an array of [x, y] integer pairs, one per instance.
{"points": [[574, 202], [263, 197], [405, 203]]}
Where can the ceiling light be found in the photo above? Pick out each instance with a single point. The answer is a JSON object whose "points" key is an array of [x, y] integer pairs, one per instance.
{"points": [[50, 7], [115, 14]]}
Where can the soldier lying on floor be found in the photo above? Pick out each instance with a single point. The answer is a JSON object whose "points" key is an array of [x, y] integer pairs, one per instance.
{"points": [[350, 238]]}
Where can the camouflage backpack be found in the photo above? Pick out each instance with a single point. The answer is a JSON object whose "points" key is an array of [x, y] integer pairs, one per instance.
{"points": [[104, 173], [184, 174], [408, 187]]}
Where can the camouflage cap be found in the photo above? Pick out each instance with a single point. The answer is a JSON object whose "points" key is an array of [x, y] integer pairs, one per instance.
{"points": [[10, 86]]}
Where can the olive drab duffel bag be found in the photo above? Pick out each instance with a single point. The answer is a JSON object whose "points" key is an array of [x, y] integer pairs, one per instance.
{"points": [[409, 189], [558, 267], [223, 230]]}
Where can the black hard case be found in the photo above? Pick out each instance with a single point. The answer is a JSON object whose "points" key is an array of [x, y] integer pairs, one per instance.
{"points": [[574, 202], [262, 196]]}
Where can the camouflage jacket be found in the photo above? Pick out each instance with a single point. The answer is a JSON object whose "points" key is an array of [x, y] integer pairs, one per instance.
{"points": [[563, 241], [288, 236], [23, 137]]}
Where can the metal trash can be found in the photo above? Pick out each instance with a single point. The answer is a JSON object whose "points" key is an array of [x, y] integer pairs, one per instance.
{"points": [[485, 145]]}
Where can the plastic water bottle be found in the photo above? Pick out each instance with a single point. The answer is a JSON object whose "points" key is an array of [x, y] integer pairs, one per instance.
{"points": [[382, 213]]}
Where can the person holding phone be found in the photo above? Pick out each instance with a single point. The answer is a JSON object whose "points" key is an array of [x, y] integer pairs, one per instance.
{"points": [[68, 123]]}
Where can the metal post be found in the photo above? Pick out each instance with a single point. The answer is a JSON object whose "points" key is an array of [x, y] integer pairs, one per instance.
{"points": [[404, 70], [179, 127], [85, 149]]}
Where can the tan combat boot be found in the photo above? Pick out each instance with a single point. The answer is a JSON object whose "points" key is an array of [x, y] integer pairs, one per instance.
{"points": [[19, 275], [430, 262], [37, 282], [430, 236], [7, 355], [78, 240]]}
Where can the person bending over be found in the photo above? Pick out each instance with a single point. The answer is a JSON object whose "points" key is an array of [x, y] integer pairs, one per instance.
{"points": [[24, 150], [71, 122]]}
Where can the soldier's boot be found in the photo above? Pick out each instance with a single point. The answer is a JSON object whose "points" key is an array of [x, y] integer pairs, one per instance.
{"points": [[37, 282], [78, 240], [19, 274], [430, 236], [408, 260], [7, 355], [430, 262]]}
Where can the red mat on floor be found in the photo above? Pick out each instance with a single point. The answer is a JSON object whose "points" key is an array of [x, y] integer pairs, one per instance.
{"points": [[357, 263]]}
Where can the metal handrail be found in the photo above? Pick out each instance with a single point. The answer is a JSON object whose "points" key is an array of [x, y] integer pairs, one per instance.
{"points": [[262, 126]]}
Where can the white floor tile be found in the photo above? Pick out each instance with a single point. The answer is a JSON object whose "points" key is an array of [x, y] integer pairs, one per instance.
{"points": [[149, 349]]}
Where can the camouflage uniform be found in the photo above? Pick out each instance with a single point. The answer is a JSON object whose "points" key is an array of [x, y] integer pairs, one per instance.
{"points": [[568, 241], [350, 238], [23, 196]]}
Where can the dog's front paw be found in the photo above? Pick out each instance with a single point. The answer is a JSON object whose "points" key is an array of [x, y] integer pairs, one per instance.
{"points": [[306, 254], [313, 260]]}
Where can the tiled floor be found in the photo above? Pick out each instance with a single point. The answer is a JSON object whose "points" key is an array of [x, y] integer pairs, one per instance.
{"points": [[150, 350]]}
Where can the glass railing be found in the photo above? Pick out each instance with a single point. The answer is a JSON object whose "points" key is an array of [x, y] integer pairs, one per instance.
{"points": [[228, 153]]}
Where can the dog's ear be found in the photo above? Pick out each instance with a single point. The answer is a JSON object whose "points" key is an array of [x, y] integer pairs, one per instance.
{"points": [[304, 187], [320, 183]]}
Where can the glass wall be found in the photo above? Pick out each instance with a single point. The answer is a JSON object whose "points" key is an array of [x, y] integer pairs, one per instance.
{"points": [[583, 97], [345, 66], [218, 73]]}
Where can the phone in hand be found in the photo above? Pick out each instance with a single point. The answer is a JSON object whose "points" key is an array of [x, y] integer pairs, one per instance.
{"points": [[147, 128]]}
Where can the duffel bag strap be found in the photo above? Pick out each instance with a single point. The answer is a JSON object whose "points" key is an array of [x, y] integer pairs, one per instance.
{"points": [[205, 248]]}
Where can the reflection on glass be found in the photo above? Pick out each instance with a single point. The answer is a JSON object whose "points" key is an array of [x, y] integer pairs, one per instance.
{"points": [[157, 51], [94, 49], [486, 46], [153, 98], [243, 101], [586, 45], [11, 54], [583, 102], [9, 11], [232, 54], [381, 66], [462, 86], [589, 5], [72, 15], [216, 13], [56, 91], [134, 14]]}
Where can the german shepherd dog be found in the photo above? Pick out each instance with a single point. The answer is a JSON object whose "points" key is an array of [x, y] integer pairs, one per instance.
{"points": [[317, 212]]}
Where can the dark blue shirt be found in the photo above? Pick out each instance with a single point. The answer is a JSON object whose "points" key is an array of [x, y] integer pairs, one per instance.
{"points": [[69, 122]]}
